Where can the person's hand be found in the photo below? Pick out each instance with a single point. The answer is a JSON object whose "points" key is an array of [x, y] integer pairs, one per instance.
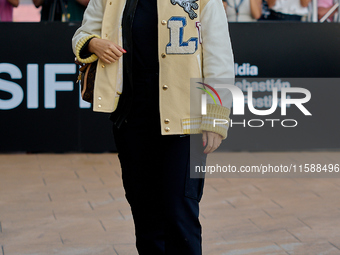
{"points": [[14, 3], [106, 51], [38, 3], [212, 140]]}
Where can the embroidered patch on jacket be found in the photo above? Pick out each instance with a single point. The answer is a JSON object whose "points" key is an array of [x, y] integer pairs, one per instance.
{"points": [[188, 6], [176, 44], [199, 26]]}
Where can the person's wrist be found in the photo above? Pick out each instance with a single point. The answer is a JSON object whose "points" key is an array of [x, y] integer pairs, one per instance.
{"points": [[91, 45]]}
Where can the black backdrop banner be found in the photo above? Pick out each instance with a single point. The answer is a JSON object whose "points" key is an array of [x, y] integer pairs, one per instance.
{"points": [[41, 110]]}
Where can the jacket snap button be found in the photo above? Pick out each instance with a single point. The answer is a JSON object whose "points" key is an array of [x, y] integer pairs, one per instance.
{"points": [[166, 121], [163, 22], [99, 105], [99, 98], [165, 87], [163, 55], [167, 129], [103, 66]]}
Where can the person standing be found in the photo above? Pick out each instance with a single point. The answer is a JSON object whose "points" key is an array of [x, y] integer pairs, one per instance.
{"points": [[61, 10], [323, 7], [76, 9], [147, 52], [287, 10], [6, 9], [243, 10]]}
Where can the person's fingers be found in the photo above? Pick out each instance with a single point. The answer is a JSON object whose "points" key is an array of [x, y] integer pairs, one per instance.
{"points": [[109, 61], [214, 141], [210, 143], [114, 53], [120, 49], [115, 49], [104, 60], [106, 50], [107, 53], [204, 138], [218, 140], [109, 58]]}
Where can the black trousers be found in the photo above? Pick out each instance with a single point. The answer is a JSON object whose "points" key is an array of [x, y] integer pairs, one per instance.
{"points": [[164, 199]]}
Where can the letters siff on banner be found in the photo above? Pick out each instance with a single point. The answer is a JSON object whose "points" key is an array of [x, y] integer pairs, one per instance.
{"points": [[51, 85]]}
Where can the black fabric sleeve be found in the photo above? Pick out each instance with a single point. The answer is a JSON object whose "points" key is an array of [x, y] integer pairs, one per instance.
{"points": [[84, 51]]}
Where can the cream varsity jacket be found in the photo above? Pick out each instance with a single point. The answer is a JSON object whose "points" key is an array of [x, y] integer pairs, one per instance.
{"points": [[193, 43]]}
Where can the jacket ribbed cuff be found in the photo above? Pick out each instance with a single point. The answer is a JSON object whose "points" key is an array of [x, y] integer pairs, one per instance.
{"points": [[80, 46], [221, 116]]}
